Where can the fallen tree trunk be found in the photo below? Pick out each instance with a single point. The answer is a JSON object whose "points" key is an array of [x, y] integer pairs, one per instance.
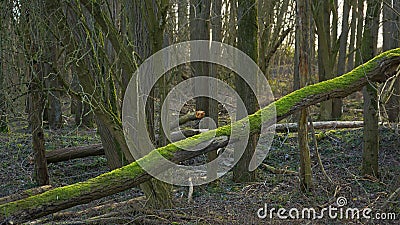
{"points": [[378, 70], [186, 118], [65, 154], [292, 127], [25, 194]]}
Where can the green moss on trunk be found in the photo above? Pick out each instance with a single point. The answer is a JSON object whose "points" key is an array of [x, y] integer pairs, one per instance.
{"points": [[132, 174]]}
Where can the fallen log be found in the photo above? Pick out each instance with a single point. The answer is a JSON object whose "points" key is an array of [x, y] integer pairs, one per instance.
{"points": [[65, 154], [378, 69], [188, 117], [292, 127], [25, 194]]}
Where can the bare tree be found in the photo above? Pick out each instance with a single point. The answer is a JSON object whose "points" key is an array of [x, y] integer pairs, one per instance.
{"points": [[370, 164], [275, 24], [327, 47], [248, 43], [337, 107], [37, 53], [4, 23], [391, 39], [303, 50]]}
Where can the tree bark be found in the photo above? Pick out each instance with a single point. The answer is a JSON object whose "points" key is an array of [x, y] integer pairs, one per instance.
{"points": [[326, 49], [39, 69], [303, 17], [391, 37], [65, 154], [293, 127], [370, 165], [337, 107], [200, 30], [248, 43], [353, 27], [4, 7], [36, 122], [25, 194], [216, 27], [378, 69]]}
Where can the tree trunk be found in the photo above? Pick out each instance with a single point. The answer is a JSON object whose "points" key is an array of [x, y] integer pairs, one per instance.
{"points": [[4, 7], [112, 138], [79, 106], [248, 43], [337, 107], [360, 27], [216, 26], [353, 28], [25, 194], [65, 154], [293, 127], [326, 52], [303, 14], [370, 165], [391, 39], [54, 103], [379, 69], [36, 122], [39, 69]]}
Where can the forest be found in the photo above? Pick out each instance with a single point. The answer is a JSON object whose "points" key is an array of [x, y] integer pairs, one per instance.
{"points": [[199, 112]]}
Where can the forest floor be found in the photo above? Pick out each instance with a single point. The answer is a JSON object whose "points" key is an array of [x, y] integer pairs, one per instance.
{"points": [[223, 201]]}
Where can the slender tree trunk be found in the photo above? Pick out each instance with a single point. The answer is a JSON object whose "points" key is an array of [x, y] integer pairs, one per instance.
{"points": [[391, 39], [360, 27], [39, 69], [200, 30], [337, 107], [353, 27], [36, 122], [3, 105], [370, 164], [54, 103], [303, 13], [326, 55], [216, 26], [248, 43]]}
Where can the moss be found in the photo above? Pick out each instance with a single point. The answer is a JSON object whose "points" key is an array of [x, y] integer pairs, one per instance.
{"points": [[132, 170], [284, 104], [67, 192]]}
